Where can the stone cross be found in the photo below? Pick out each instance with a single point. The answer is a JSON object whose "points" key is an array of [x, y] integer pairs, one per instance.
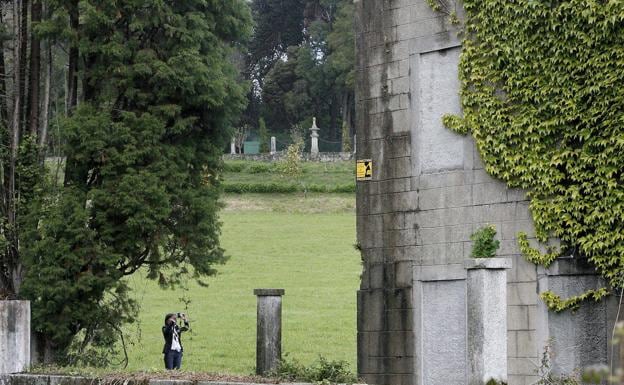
{"points": [[273, 146], [314, 150], [269, 330]]}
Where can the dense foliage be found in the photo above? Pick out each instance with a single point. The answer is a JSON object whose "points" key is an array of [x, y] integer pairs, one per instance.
{"points": [[157, 97], [301, 63], [541, 95], [483, 243]]}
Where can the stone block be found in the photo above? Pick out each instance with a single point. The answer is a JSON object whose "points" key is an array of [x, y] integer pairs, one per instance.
{"points": [[522, 293], [512, 344], [523, 271], [443, 342], [510, 230], [444, 179], [403, 274], [404, 253], [400, 319], [376, 275], [394, 185], [370, 231], [394, 221], [442, 253], [398, 167], [405, 237], [445, 197], [398, 298], [518, 317], [399, 146], [370, 310], [527, 344], [521, 366], [488, 193], [492, 213], [404, 201]]}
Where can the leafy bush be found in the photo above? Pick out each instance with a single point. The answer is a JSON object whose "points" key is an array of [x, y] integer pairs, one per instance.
{"points": [[234, 166], [484, 245], [323, 370], [259, 168]]}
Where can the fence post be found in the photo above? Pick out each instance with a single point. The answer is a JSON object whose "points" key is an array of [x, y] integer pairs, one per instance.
{"points": [[269, 330]]}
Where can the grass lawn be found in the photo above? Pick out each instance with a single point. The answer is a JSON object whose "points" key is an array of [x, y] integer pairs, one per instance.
{"points": [[304, 245]]}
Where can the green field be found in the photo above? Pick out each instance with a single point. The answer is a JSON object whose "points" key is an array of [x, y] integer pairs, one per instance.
{"points": [[304, 245], [265, 177]]}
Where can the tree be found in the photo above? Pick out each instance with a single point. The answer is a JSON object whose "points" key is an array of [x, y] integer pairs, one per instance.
{"points": [[152, 96]]}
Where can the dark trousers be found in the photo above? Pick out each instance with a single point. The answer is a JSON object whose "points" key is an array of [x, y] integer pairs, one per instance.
{"points": [[173, 359]]}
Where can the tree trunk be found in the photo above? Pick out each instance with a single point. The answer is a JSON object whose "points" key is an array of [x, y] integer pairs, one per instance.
{"points": [[35, 71], [72, 71], [45, 113], [4, 110], [23, 43]]}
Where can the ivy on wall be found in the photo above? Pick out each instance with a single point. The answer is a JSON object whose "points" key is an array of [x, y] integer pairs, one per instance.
{"points": [[543, 96]]}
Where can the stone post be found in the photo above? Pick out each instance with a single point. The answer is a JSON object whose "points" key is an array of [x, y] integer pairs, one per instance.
{"points": [[269, 329], [486, 296], [14, 336], [314, 149], [273, 146], [233, 147], [354, 144]]}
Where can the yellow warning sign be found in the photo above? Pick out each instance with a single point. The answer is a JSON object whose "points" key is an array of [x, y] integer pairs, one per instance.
{"points": [[364, 169]]}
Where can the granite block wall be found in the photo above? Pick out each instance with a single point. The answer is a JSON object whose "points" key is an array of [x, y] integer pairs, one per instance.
{"points": [[428, 194]]}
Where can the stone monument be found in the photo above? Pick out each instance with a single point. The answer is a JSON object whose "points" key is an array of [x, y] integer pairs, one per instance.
{"points": [[273, 145], [314, 148], [429, 192]]}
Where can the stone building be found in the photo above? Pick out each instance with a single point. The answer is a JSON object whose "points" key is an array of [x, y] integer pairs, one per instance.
{"points": [[428, 194]]}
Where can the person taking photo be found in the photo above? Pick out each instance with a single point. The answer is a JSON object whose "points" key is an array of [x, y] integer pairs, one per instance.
{"points": [[173, 344]]}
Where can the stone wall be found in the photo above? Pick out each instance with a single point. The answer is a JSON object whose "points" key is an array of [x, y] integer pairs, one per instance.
{"points": [[429, 193]]}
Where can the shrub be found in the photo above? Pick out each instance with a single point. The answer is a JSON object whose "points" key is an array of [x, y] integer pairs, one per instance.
{"points": [[323, 370], [259, 168], [234, 166], [484, 245]]}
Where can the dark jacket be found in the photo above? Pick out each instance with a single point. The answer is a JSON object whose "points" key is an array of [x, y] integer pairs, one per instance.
{"points": [[167, 331]]}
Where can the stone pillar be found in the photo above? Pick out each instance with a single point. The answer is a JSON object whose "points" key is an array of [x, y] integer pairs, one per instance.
{"points": [[354, 144], [233, 147], [314, 149], [269, 329], [14, 336], [486, 294], [273, 146]]}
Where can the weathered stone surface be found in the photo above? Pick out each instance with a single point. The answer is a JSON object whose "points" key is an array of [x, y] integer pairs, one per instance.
{"points": [[269, 329], [14, 336], [487, 320], [444, 337]]}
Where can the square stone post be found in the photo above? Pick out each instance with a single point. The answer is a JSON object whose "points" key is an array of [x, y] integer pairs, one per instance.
{"points": [[486, 294], [14, 336], [233, 147], [269, 330], [273, 146], [314, 148]]}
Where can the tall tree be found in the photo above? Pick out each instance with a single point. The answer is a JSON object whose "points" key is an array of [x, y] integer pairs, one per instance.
{"points": [[159, 96]]}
